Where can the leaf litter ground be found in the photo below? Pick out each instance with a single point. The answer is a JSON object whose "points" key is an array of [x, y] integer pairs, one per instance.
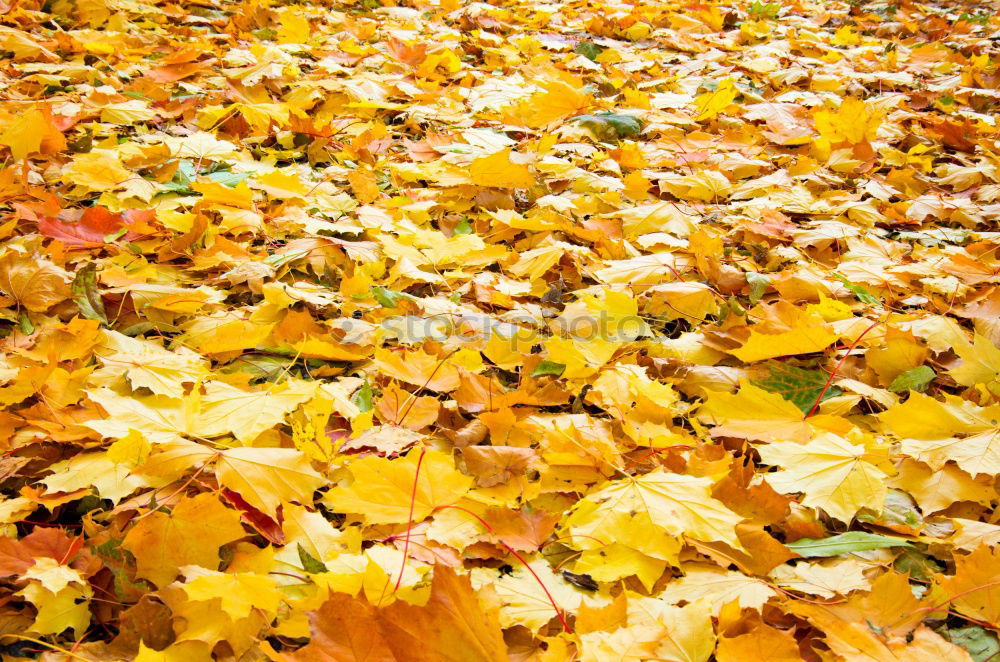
{"points": [[634, 331]]}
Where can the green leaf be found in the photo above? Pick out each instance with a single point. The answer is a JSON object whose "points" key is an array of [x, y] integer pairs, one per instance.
{"points": [[610, 127], [860, 293], [363, 399], [916, 379], [844, 543], [980, 642], [980, 17], [27, 328], [228, 179], [463, 227], [262, 366], [387, 298], [311, 565], [115, 560], [765, 10], [285, 256], [135, 95], [115, 236], [548, 368], [86, 295], [798, 386], [589, 50], [917, 564], [898, 509], [181, 182], [758, 285]]}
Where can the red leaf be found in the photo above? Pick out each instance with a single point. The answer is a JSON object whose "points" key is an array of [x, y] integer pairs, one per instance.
{"points": [[16, 556], [94, 225], [261, 523]]}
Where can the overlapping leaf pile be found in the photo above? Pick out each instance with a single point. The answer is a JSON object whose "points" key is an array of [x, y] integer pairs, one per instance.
{"points": [[473, 332]]}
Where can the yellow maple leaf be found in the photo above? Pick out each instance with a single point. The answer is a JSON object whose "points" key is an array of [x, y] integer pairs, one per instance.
{"points": [[246, 414], [830, 472], [630, 511], [238, 593], [617, 561], [268, 477], [32, 132], [383, 492], [148, 365], [974, 588], [753, 413], [240, 197], [53, 575], [853, 122], [33, 282], [762, 643], [95, 470], [713, 102], [159, 418], [936, 490], [426, 370], [718, 587], [96, 172], [295, 28], [498, 171], [980, 364], [686, 632], [581, 358], [935, 432], [190, 534], [801, 333], [557, 101], [57, 611], [680, 300], [521, 598]]}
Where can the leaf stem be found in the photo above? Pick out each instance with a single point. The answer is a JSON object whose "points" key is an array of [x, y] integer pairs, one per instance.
{"points": [[409, 519], [836, 368], [555, 605]]}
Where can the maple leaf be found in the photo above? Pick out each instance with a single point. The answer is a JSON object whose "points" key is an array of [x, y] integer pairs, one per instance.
{"points": [[96, 470], [33, 282], [980, 364], [852, 122], [34, 131], [973, 588], [190, 534], [753, 413], [671, 505], [798, 386], [833, 474], [764, 642], [387, 491], [498, 170], [246, 414], [935, 432], [793, 332], [68, 607], [718, 587], [148, 365], [268, 477], [95, 227], [420, 369], [452, 625], [237, 594]]}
